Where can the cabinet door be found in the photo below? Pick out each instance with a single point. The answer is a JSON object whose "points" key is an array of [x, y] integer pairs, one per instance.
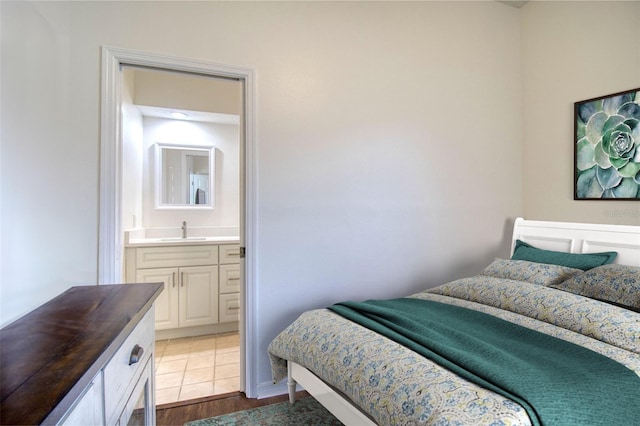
{"points": [[88, 410], [167, 303], [198, 295], [140, 410]]}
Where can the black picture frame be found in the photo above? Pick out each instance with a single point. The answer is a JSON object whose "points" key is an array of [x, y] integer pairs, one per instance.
{"points": [[607, 147]]}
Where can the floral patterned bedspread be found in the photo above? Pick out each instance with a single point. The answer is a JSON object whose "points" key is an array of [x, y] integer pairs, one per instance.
{"points": [[396, 386]]}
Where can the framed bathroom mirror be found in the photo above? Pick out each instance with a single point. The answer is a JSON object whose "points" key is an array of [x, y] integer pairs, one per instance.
{"points": [[184, 176]]}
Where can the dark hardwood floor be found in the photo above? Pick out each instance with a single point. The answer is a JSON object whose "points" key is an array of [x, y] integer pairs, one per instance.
{"points": [[179, 413]]}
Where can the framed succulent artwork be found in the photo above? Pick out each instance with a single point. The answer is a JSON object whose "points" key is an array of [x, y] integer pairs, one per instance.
{"points": [[607, 147]]}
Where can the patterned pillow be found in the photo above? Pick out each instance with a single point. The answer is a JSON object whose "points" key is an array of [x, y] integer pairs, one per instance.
{"points": [[531, 272], [618, 284]]}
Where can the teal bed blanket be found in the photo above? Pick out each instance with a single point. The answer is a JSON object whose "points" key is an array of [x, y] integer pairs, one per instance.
{"points": [[557, 382]]}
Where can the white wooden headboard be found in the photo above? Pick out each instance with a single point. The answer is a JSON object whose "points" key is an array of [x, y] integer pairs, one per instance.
{"points": [[581, 238]]}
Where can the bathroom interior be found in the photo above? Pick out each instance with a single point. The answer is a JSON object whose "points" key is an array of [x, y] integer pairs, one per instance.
{"points": [[181, 211]]}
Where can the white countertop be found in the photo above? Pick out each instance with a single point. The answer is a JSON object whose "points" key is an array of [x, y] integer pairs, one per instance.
{"points": [[171, 236], [145, 242]]}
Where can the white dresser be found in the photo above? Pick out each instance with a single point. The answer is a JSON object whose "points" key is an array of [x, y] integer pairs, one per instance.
{"points": [[91, 349]]}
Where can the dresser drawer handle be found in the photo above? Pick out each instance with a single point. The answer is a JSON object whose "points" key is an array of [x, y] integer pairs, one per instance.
{"points": [[136, 354]]}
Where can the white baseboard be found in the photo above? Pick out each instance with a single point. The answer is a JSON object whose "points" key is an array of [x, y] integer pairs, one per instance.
{"points": [[177, 333]]}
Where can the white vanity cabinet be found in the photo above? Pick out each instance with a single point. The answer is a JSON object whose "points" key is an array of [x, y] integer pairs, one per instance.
{"points": [[190, 296], [201, 284]]}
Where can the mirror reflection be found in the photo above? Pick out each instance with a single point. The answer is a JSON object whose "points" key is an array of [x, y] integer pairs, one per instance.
{"points": [[184, 176]]}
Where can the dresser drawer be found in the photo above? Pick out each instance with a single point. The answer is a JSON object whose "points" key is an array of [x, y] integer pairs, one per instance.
{"points": [[229, 278], [229, 307], [118, 374], [162, 257], [229, 253]]}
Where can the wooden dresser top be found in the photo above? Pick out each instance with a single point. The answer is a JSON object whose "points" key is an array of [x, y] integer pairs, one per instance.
{"points": [[51, 354]]}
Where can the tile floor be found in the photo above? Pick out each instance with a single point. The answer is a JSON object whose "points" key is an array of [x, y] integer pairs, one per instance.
{"points": [[193, 367]]}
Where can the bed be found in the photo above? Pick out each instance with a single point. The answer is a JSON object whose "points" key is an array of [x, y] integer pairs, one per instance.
{"points": [[552, 336]]}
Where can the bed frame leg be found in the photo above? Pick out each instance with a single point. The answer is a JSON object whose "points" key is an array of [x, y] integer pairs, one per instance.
{"points": [[291, 383]]}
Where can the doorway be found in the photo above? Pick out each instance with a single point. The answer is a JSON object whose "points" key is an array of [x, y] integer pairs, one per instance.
{"points": [[113, 186]]}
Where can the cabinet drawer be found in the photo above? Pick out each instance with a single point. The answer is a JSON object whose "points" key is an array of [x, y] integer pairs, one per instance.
{"points": [[229, 278], [229, 253], [118, 374], [229, 307], [160, 257]]}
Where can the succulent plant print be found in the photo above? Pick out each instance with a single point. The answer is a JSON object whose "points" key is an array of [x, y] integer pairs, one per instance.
{"points": [[608, 147]]}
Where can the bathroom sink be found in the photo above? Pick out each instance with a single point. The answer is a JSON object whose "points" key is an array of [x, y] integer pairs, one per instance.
{"points": [[184, 239]]}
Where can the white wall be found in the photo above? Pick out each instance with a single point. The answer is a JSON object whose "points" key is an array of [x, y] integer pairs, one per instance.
{"points": [[225, 138], [572, 51], [388, 140], [49, 159]]}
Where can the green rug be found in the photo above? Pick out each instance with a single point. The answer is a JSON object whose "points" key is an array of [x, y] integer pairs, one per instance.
{"points": [[306, 411]]}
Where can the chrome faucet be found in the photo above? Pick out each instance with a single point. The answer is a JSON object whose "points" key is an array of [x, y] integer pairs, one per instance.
{"points": [[184, 229]]}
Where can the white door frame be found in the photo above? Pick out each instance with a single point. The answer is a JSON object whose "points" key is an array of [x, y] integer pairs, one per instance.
{"points": [[110, 245]]}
